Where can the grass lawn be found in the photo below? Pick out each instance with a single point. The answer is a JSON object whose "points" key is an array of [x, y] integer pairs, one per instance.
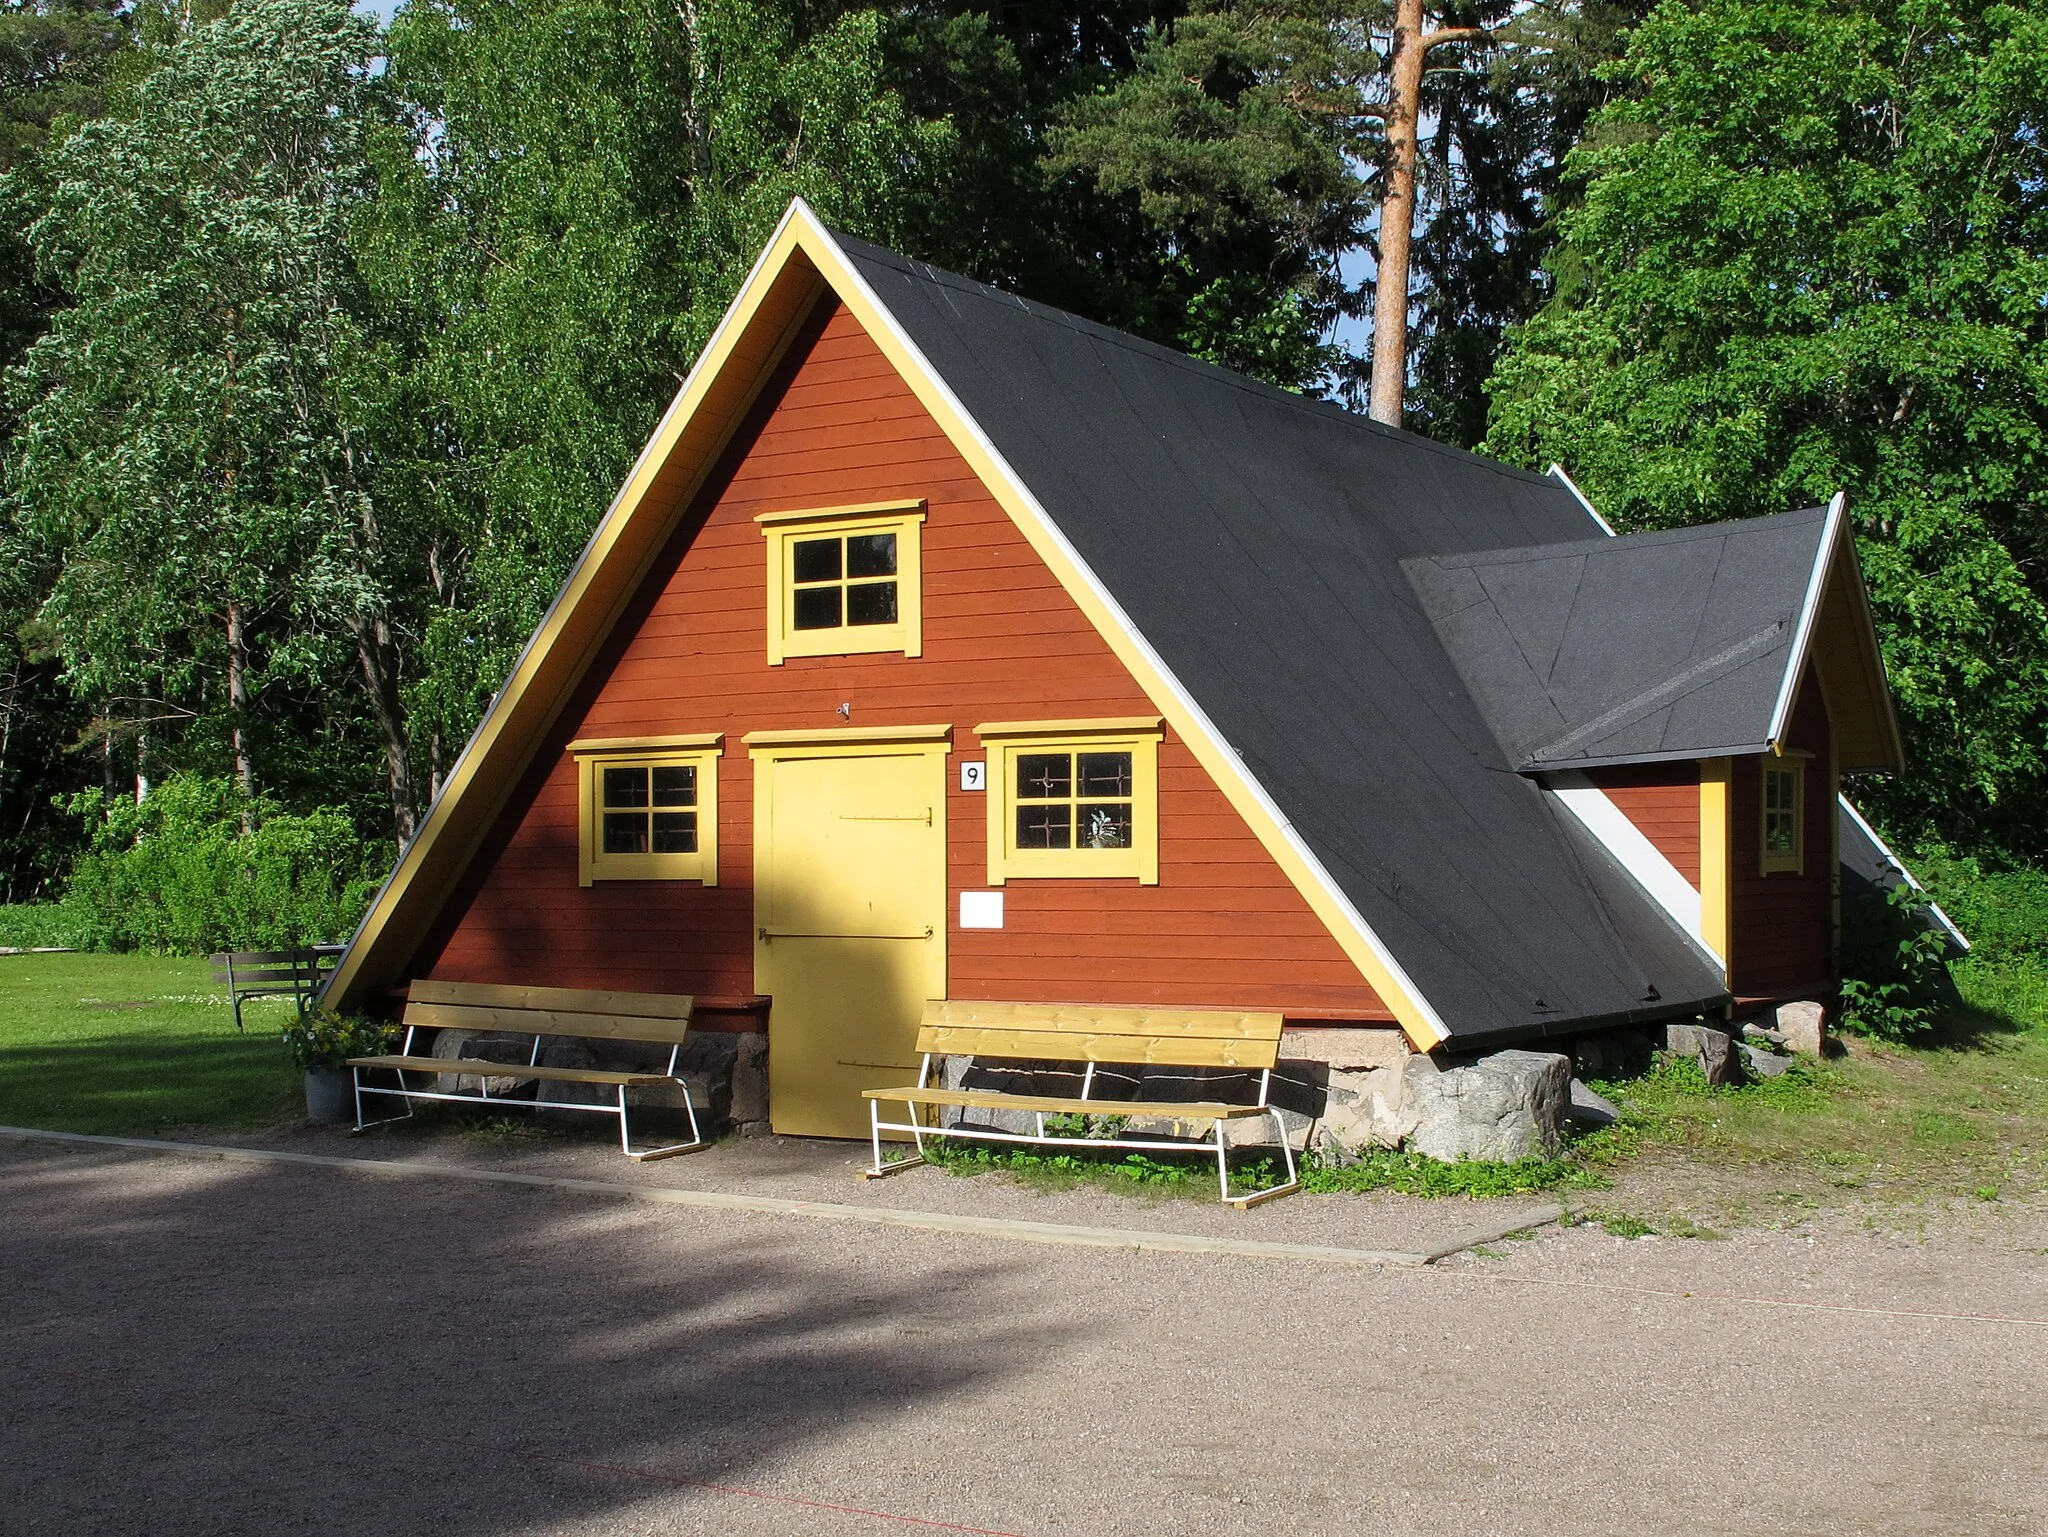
{"points": [[1883, 1129], [145, 1045], [137, 1045]]}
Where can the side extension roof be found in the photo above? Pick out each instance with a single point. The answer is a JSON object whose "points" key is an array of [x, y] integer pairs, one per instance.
{"points": [[1633, 648]]}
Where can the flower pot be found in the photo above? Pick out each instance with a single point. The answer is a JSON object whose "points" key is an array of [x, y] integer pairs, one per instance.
{"points": [[330, 1094]]}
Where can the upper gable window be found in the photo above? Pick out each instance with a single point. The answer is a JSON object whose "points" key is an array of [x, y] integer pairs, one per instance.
{"points": [[1784, 819], [844, 580], [648, 809], [1073, 798]]}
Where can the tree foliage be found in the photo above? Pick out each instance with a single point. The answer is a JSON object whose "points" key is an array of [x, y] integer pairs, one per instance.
{"points": [[193, 458], [580, 192], [1811, 256]]}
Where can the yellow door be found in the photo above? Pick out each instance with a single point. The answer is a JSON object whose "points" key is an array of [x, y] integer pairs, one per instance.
{"points": [[850, 911]]}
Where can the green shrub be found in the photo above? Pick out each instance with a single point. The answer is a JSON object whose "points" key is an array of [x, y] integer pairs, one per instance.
{"points": [[178, 875], [2003, 912], [39, 926], [1895, 978]]}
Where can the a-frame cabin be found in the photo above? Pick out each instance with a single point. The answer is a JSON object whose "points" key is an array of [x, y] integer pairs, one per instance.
{"points": [[944, 645]]}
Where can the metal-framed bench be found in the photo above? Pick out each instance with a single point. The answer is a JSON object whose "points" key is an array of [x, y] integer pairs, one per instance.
{"points": [[1092, 1036], [546, 1014], [294, 974]]}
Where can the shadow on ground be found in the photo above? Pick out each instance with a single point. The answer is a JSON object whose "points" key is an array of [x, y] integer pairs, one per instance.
{"points": [[257, 1350]]}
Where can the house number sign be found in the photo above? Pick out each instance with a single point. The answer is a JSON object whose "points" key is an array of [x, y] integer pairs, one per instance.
{"points": [[974, 776]]}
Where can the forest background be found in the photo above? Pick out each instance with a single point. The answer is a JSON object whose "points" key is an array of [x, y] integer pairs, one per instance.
{"points": [[328, 340]]}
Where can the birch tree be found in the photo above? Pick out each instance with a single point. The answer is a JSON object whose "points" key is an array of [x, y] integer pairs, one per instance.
{"points": [[193, 458]]}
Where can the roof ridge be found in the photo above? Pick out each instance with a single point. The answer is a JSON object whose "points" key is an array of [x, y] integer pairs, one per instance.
{"points": [[1322, 409], [1634, 539]]}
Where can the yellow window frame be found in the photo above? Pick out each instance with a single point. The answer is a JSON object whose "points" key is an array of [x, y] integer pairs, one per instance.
{"points": [[1008, 741], [783, 531], [700, 751], [1789, 771]]}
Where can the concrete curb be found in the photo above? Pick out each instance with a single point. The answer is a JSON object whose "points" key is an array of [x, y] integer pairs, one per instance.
{"points": [[1543, 1216], [931, 1221]]}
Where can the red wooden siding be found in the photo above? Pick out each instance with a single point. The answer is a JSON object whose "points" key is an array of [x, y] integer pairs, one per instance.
{"points": [[1663, 801], [1781, 926], [1002, 641]]}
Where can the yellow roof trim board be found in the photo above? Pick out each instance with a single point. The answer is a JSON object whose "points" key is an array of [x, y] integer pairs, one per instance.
{"points": [[826, 735], [1122, 725], [605, 744], [800, 260], [749, 341], [859, 510]]}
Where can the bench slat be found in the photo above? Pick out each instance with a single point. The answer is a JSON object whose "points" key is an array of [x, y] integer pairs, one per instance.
{"points": [[990, 1099], [454, 1016], [566, 1000], [1077, 1046], [265, 976], [1104, 1019], [243, 958], [484, 1069]]}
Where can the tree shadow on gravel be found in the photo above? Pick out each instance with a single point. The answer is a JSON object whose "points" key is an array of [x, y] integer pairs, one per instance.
{"points": [[218, 1348]]}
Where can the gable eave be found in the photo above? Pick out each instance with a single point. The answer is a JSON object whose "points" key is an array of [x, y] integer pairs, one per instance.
{"points": [[750, 340]]}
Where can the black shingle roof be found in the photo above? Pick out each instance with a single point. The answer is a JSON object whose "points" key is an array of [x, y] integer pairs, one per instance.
{"points": [[1256, 541]]}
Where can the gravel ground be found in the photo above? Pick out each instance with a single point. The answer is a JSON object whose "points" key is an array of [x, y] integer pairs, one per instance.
{"points": [[193, 1346]]}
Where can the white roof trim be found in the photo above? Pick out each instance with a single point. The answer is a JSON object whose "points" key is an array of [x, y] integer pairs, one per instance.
{"points": [[1809, 613], [1636, 854], [1592, 512], [1899, 865], [1133, 634]]}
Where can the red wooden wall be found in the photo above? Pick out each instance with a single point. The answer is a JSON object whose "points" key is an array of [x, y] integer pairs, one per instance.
{"points": [[1781, 926], [1663, 801], [1002, 641]]}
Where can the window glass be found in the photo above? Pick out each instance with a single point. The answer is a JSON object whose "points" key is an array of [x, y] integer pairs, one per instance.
{"points": [[843, 581], [1065, 800], [1781, 813], [631, 822], [817, 560]]}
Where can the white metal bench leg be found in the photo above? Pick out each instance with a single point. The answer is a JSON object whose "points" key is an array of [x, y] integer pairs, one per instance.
{"points": [[878, 1168], [399, 1093], [642, 1155]]}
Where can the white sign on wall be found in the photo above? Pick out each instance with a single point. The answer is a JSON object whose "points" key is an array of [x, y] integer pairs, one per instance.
{"points": [[974, 776], [981, 909]]}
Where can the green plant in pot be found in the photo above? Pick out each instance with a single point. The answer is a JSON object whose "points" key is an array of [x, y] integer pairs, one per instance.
{"points": [[321, 1042]]}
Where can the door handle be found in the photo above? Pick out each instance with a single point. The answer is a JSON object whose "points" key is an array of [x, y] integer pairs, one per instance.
{"points": [[924, 816], [765, 935]]}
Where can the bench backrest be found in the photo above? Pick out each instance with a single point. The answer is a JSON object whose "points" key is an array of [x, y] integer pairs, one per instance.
{"points": [[269, 968], [1086, 1032], [663, 1017]]}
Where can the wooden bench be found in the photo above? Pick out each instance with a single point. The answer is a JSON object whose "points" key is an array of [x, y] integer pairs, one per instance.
{"points": [[294, 974], [545, 1013], [1090, 1035]]}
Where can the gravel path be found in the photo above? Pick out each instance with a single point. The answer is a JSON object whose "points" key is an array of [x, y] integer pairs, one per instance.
{"points": [[192, 1346]]}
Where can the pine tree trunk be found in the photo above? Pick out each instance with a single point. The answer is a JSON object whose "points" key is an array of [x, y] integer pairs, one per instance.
{"points": [[238, 709], [1397, 216]]}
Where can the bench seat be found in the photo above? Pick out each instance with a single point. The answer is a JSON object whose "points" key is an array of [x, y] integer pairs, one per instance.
{"points": [[484, 1068], [1091, 1034], [996, 1099], [543, 1014]]}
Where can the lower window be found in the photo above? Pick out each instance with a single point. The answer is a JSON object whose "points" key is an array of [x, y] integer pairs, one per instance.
{"points": [[1073, 798], [648, 815]]}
